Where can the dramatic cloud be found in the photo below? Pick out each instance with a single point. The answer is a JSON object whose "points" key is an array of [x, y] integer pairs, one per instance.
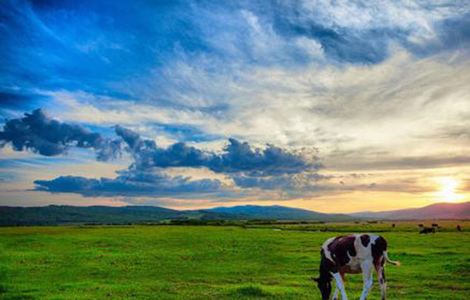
{"points": [[380, 87], [277, 167], [236, 157], [303, 182], [41, 134], [130, 183], [147, 154], [241, 157], [356, 33]]}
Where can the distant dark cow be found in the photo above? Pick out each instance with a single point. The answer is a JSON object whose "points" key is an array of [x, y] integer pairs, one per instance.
{"points": [[435, 225], [352, 254], [426, 230], [459, 228]]}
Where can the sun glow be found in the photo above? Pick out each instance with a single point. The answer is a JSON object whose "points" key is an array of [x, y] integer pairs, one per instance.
{"points": [[447, 192]]}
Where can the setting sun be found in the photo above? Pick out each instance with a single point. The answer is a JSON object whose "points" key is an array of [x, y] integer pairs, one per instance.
{"points": [[447, 192]]}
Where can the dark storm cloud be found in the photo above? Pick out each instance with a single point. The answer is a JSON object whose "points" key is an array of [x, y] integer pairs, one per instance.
{"points": [[129, 183], [40, 134], [236, 157]]}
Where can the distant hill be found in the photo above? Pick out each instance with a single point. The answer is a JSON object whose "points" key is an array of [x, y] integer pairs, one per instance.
{"points": [[434, 211], [276, 212], [64, 214]]}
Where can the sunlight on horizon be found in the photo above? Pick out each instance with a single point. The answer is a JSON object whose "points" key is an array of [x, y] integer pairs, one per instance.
{"points": [[448, 190]]}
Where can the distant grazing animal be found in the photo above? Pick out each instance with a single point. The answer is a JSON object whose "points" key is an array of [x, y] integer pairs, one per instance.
{"points": [[459, 228], [354, 253], [393, 225], [420, 225], [435, 225], [426, 230]]}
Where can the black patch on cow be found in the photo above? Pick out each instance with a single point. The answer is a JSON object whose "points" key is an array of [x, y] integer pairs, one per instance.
{"points": [[341, 248], [378, 248], [326, 266], [426, 230], [365, 239], [324, 281]]}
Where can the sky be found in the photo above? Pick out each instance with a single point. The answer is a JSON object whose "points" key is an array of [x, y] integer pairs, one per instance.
{"points": [[325, 105]]}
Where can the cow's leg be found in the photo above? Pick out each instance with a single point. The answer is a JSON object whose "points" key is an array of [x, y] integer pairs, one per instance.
{"points": [[367, 278], [340, 285], [382, 281], [335, 294]]}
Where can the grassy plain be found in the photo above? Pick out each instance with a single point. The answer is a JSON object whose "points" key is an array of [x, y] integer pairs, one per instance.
{"points": [[218, 262]]}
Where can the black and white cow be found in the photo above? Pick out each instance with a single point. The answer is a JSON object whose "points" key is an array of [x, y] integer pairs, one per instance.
{"points": [[352, 254]]}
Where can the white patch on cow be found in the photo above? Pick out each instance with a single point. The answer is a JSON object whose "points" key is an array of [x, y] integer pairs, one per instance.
{"points": [[362, 254], [373, 239], [325, 248]]}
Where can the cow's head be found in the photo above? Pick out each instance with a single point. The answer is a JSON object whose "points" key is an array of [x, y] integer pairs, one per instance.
{"points": [[324, 284]]}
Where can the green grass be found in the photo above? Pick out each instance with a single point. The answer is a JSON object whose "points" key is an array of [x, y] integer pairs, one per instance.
{"points": [[196, 262]]}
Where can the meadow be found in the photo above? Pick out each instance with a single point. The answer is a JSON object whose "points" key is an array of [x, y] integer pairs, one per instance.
{"points": [[218, 262]]}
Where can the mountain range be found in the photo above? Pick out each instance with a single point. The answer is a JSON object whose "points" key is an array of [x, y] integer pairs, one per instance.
{"points": [[64, 214], [434, 211]]}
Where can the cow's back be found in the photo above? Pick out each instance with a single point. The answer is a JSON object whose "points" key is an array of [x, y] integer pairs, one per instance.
{"points": [[353, 249]]}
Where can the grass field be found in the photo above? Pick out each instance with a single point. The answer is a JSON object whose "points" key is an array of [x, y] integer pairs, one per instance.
{"points": [[215, 262]]}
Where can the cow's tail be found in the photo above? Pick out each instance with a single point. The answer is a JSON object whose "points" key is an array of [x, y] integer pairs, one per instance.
{"points": [[393, 262]]}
